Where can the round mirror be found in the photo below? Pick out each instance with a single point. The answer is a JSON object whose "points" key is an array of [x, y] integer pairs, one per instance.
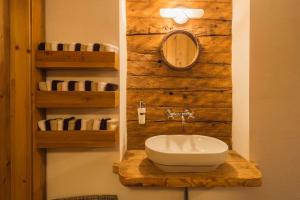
{"points": [[180, 49]]}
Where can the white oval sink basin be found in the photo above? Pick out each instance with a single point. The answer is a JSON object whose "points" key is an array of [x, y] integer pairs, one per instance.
{"points": [[186, 153]]}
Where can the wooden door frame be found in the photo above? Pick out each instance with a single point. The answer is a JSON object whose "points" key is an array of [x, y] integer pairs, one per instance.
{"points": [[23, 167], [5, 160], [20, 94], [38, 155]]}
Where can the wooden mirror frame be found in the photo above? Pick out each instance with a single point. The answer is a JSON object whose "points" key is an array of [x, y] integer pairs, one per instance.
{"points": [[194, 39]]}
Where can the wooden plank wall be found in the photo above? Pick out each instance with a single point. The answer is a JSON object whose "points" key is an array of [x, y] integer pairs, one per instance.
{"points": [[5, 160], [206, 89]]}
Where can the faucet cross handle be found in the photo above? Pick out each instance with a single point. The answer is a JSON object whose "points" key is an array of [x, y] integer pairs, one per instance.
{"points": [[170, 114], [189, 114]]}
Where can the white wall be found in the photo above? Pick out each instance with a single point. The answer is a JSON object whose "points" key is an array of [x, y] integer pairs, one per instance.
{"points": [[82, 171], [123, 77], [90, 20], [240, 76], [275, 96]]}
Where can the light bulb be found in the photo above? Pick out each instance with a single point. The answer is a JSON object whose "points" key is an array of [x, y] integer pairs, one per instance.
{"points": [[181, 18]]}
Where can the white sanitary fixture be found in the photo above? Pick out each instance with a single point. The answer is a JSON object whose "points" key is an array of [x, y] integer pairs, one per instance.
{"points": [[186, 153]]}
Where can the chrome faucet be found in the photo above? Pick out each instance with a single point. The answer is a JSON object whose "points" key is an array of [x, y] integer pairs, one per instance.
{"points": [[186, 114]]}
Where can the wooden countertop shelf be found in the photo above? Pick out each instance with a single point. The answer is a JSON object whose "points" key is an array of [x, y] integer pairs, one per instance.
{"points": [[75, 139], [77, 60], [137, 170], [77, 99]]}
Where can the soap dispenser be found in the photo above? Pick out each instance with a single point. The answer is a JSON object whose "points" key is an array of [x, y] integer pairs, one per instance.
{"points": [[142, 113]]}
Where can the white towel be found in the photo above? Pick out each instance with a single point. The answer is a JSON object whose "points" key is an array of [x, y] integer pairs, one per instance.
{"points": [[83, 125], [66, 47], [83, 47], [42, 125], [43, 86], [48, 46], [60, 124], [72, 46], [79, 86], [96, 125], [64, 86], [54, 46], [49, 85], [94, 86], [112, 124], [54, 124], [71, 125], [90, 47], [89, 125], [59, 86], [101, 86], [110, 47]]}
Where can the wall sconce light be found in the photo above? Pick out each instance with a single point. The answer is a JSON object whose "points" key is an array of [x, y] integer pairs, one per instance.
{"points": [[181, 15]]}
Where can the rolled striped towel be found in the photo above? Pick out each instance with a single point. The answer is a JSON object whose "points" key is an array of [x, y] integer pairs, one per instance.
{"points": [[110, 47], [89, 124]]}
